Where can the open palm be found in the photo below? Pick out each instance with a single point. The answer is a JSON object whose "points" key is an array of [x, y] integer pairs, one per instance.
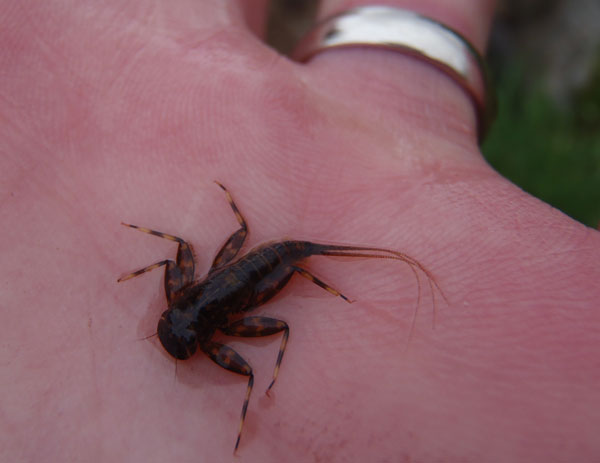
{"points": [[130, 112]]}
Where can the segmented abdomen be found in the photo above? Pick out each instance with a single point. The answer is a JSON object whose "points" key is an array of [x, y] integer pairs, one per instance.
{"points": [[260, 274]]}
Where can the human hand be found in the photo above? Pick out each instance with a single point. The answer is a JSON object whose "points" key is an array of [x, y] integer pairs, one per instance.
{"points": [[128, 112]]}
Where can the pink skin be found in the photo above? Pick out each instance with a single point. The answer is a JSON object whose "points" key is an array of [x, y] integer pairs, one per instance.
{"points": [[129, 112]]}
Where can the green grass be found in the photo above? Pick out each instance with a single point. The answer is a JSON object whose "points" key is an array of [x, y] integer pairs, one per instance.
{"points": [[550, 152]]}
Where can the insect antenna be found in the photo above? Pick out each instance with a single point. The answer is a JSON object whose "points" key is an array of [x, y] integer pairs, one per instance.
{"points": [[148, 337]]}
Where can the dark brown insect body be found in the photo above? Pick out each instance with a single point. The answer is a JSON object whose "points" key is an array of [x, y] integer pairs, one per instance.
{"points": [[198, 308]]}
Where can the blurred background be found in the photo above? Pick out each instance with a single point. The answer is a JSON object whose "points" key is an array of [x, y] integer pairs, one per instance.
{"points": [[544, 56]]}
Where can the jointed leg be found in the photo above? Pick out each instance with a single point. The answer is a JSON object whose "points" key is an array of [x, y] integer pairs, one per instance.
{"points": [[177, 274], [252, 327], [235, 242], [309, 276], [229, 359]]}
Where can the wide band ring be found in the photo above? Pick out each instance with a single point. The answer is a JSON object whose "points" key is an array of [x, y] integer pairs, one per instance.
{"points": [[413, 34]]}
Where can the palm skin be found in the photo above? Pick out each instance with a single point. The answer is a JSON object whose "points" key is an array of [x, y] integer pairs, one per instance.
{"points": [[121, 116]]}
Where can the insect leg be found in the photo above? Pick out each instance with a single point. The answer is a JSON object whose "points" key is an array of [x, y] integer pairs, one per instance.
{"points": [[235, 241], [144, 270], [309, 276], [229, 359], [251, 327], [177, 274]]}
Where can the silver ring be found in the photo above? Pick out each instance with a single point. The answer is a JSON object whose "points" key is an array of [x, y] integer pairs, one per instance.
{"points": [[413, 34]]}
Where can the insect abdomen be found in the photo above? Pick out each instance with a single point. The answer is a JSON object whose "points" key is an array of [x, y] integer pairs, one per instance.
{"points": [[267, 258], [267, 269]]}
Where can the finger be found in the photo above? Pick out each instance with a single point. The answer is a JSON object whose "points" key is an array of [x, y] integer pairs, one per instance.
{"points": [[255, 13], [394, 86], [472, 18]]}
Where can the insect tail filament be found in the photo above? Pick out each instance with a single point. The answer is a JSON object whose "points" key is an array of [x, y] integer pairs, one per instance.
{"points": [[382, 253]]}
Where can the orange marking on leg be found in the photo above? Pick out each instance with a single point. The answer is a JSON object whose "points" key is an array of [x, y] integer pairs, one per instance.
{"points": [[235, 242], [143, 270], [154, 232], [244, 410], [320, 283], [236, 211], [279, 359]]}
